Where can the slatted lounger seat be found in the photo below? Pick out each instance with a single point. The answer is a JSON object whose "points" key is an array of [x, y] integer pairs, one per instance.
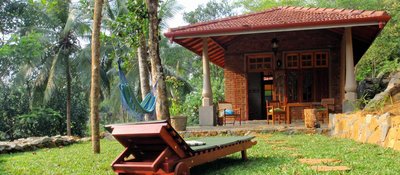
{"points": [[156, 148]]}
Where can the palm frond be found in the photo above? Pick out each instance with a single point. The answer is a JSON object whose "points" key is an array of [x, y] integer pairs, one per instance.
{"points": [[50, 86], [168, 9]]}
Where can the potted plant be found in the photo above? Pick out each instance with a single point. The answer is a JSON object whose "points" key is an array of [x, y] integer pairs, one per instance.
{"points": [[178, 120]]}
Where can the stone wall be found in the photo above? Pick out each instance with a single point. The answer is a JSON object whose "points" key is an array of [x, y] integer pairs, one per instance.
{"points": [[383, 130], [33, 143]]}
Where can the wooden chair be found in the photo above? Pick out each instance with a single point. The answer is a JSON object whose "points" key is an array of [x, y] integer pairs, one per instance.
{"points": [[224, 109], [277, 111], [327, 105]]}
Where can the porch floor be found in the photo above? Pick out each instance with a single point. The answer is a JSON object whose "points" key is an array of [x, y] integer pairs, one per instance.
{"points": [[252, 126]]}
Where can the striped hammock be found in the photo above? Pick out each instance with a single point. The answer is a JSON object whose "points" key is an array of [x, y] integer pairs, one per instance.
{"points": [[129, 101]]}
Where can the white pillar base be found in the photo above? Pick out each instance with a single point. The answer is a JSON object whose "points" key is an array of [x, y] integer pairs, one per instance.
{"points": [[207, 116], [207, 101], [349, 103], [351, 96]]}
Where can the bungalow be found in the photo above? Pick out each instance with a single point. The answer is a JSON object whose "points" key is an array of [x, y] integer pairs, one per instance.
{"points": [[294, 55]]}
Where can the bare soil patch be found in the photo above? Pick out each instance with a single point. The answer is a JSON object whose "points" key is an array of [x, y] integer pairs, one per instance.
{"points": [[323, 168], [318, 161]]}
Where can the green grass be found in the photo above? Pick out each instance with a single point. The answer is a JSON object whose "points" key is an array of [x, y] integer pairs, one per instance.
{"points": [[274, 154]]}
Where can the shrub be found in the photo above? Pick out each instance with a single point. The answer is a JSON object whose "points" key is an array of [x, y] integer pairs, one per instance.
{"points": [[191, 108], [79, 109], [13, 102], [39, 122]]}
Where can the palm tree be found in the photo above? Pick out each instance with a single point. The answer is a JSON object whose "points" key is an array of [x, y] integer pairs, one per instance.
{"points": [[61, 32], [95, 82], [66, 49]]}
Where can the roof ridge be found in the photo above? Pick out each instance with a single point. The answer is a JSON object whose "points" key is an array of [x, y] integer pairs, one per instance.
{"points": [[343, 11], [224, 19]]}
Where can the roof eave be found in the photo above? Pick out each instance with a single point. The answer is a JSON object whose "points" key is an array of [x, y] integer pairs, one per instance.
{"points": [[279, 28]]}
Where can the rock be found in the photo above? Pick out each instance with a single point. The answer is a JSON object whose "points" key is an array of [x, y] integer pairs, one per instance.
{"points": [[318, 130], [391, 138], [85, 139], [41, 141], [394, 81], [11, 146], [392, 89], [383, 130], [372, 134], [281, 128], [369, 87], [33, 143], [249, 133], [396, 97], [332, 120], [108, 136], [3, 147], [384, 124]]}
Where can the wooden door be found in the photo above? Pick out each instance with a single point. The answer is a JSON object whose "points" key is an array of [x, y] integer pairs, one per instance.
{"points": [[256, 96]]}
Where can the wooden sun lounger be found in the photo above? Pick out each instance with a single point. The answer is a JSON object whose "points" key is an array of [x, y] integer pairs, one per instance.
{"points": [[156, 148]]}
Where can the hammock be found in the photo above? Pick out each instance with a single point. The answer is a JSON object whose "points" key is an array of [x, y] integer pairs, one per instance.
{"points": [[129, 101]]}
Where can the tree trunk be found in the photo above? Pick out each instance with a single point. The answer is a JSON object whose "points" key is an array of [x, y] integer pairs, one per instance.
{"points": [[156, 67], [68, 76], [143, 69], [95, 82]]}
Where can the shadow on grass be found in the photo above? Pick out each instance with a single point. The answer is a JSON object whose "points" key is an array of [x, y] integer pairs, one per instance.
{"points": [[230, 165]]}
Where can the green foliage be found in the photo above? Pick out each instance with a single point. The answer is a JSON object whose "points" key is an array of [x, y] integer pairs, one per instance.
{"points": [[275, 153], [361, 102], [218, 83], [130, 24], [378, 105], [13, 102], [384, 54], [19, 51], [18, 120], [175, 85], [212, 10], [79, 108], [259, 5], [39, 122], [191, 106]]}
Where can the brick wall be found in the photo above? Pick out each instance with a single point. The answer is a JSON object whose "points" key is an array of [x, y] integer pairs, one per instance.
{"points": [[235, 67], [236, 82]]}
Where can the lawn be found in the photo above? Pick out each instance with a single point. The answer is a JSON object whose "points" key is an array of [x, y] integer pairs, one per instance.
{"points": [[274, 154]]}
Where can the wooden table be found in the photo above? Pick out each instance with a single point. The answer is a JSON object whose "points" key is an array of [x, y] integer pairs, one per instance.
{"points": [[305, 104]]}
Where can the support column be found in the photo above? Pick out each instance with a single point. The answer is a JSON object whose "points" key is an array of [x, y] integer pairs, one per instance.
{"points": [[206, 111], [350, 86], [207, 91]]}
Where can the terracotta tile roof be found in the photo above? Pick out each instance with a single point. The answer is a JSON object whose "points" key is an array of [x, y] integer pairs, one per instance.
{"points": [[281, 18]]}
